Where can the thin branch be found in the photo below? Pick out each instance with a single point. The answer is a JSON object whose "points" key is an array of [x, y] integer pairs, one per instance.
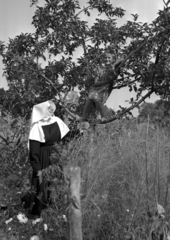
{"points": [[128, 109], [51, 83], [166, 4], [125, 84], [85, 8], [123, 62], [84, 45], [157, 60]]}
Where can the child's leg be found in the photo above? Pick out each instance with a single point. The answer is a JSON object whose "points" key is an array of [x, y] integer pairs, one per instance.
{"points": [[86, 110], [100, 108]]}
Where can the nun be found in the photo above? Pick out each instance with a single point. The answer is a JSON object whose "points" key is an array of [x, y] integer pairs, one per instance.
{"points": [[46, 129]]}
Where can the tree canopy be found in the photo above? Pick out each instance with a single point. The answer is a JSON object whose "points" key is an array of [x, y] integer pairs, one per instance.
{"points": [[42, 65]]}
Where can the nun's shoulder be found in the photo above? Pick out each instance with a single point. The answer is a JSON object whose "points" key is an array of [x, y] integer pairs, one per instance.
{"points": [[58, 120], [35, 126], [34, 132], [62, 126]]}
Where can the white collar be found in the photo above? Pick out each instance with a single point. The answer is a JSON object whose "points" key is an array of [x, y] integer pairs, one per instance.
{"points": [[37, 134]]}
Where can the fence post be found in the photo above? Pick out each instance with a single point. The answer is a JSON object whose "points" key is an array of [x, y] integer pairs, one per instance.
{"points": [[73, 179]]}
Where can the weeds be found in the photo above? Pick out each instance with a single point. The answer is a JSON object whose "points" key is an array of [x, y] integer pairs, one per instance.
{"points": [[125, 172]]}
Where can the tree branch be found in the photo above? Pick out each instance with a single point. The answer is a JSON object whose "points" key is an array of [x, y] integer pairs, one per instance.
{"points": [[125, 84], [156, 61], [128, 109], [85, 8], [130, 54], [51, 83]]}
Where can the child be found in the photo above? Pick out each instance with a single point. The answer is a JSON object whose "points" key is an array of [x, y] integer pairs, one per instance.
{"points": [[102, 87]]}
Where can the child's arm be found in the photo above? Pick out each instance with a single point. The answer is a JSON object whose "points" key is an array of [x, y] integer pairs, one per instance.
{"points": [[102, 83], [117, 64]]}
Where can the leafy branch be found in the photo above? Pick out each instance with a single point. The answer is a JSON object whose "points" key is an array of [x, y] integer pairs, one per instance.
{"points": [[127, 110]]}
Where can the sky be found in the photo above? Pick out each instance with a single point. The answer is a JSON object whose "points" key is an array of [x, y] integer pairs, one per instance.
{"points": [[16, 17]]}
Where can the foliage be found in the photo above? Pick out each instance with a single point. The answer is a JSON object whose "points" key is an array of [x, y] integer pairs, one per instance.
{"points": [[14, 159], [43, 65], [157, 113]]}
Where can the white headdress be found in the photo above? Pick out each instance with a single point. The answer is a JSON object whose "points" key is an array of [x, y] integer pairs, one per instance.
{"points": [[39, 111], [40, 118]]}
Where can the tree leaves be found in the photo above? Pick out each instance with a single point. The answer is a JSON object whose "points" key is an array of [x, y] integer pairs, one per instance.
{"points": [[64, 51]]}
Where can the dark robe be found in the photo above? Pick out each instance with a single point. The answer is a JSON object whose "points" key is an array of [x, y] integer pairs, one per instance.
{"points": [[39, 156]]}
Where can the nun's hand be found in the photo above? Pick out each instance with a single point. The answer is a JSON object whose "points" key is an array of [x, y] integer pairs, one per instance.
{"points": [[39, 174]]}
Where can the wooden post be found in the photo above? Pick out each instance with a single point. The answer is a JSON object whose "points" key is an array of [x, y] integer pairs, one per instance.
{"points": [[72, 177]]}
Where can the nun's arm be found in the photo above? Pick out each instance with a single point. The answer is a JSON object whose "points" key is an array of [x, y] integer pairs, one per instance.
{"points": [[35, 155]]}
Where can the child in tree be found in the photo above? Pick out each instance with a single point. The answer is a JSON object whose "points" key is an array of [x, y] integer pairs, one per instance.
{"points": [[102, 87]]}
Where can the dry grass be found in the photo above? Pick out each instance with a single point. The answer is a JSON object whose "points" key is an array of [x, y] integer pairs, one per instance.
{"points": [[124, 170]]}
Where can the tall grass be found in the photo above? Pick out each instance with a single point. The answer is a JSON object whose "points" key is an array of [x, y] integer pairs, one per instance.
{"points": [[125, 172], [125, 166]]}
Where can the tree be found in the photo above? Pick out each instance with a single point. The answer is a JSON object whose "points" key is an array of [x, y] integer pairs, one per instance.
{"points": [[41, 65]]}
